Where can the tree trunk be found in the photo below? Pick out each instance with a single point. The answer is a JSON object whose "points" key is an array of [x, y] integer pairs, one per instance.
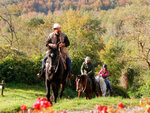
{"points": [[124, 82]]}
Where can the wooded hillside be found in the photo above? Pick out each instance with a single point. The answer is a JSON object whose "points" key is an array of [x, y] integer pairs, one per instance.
{"points": [[44, 6]]}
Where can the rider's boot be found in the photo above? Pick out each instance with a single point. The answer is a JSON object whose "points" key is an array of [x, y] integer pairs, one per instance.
{"points": [[41, 73]]}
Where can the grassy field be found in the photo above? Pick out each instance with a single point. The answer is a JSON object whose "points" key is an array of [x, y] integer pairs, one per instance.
{"points": [[16, 95]]}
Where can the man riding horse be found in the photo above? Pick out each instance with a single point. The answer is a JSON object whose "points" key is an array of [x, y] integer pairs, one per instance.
{"points": [[87, 69], [54, 40]]}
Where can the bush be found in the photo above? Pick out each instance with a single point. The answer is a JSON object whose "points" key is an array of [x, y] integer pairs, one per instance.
{"points": [[119, 91], [20, 69], [111, 55], [144, 90]]}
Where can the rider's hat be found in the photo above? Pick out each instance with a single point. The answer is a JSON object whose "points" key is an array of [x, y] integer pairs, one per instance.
{"points": [[87, 58], [105, 66], [56, 25]]}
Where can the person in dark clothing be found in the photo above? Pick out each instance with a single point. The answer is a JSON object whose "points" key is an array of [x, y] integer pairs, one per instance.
{"points": [[87, 69], [53, 39]]}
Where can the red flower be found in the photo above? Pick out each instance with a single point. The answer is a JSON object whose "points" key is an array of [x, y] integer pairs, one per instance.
{"points": [[148, 110], [120, 105], [63, 112], [104, 110], [100, 107], [41, 99], [45, 104], [23, 107], [36, 105]]}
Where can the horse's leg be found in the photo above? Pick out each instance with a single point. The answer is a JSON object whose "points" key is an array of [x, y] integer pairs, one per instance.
{"points": [[55, 91], [79, 94], [99, 90], [96, 93], [47, 83], [87, 96], [62, 87]]}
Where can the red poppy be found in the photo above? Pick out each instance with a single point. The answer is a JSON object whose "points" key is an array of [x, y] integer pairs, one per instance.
{"points": [[41, 99], [104, 110], [36, 105], [148, 110], [100, 107], [23, 107], [45, 104], [63, 112], [120, 105]]}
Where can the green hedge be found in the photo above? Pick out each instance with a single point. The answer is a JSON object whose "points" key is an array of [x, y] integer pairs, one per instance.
{"points": [[20, 69], [119, 91]]}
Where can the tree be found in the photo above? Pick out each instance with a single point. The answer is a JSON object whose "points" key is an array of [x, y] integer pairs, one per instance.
{"points": [[139, 34], [111, 56], [6, 16]]}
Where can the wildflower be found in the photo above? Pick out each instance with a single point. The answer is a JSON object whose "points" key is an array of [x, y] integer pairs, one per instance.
{"points": [[36, 105], [148, 109], [45, 104], [120, 105], [63, 112], [23, 107]]}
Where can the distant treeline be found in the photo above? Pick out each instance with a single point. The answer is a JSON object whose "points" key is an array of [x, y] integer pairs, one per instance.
{"points": [[45, 6]]}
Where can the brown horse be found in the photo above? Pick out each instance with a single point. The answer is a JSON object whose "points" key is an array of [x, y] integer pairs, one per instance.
{"points": [[55, 75], [83, 85]]}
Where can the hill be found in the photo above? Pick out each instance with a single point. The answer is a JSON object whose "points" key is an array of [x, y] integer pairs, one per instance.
{"points": [[45, 6]]}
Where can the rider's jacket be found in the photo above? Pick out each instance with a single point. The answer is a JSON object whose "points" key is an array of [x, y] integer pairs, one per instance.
{"points": [[62, 38], [103, 73], [87, 69]]}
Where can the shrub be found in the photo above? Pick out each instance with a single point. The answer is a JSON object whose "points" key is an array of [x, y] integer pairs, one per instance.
{"points": [[119, 91], [144, 90], [20, 69]]}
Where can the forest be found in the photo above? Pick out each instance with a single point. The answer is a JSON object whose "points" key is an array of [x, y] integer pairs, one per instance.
{"points": [[115, 32]]}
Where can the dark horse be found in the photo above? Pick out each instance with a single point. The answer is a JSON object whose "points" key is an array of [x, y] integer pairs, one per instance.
{"points": [[83, 85], [55, 74]]}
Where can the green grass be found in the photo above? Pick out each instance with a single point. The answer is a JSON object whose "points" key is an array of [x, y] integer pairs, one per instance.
{"points": [[82, 103], [16, 95]]}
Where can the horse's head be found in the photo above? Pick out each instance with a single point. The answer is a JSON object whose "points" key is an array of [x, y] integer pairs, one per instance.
{"points": [[53, 60], [80, 82]]}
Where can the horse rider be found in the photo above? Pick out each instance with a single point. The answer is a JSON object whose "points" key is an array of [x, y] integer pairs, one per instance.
{"points": [[57, 36], [104, 73], [87, 69]]}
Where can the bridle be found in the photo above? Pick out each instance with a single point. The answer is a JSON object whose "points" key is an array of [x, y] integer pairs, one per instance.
{"points": [[54, 66], [83, 88]]}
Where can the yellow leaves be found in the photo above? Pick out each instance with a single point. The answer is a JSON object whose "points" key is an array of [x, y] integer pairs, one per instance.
{"points": [[143, 102], [74, 20], [111, 109]]}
